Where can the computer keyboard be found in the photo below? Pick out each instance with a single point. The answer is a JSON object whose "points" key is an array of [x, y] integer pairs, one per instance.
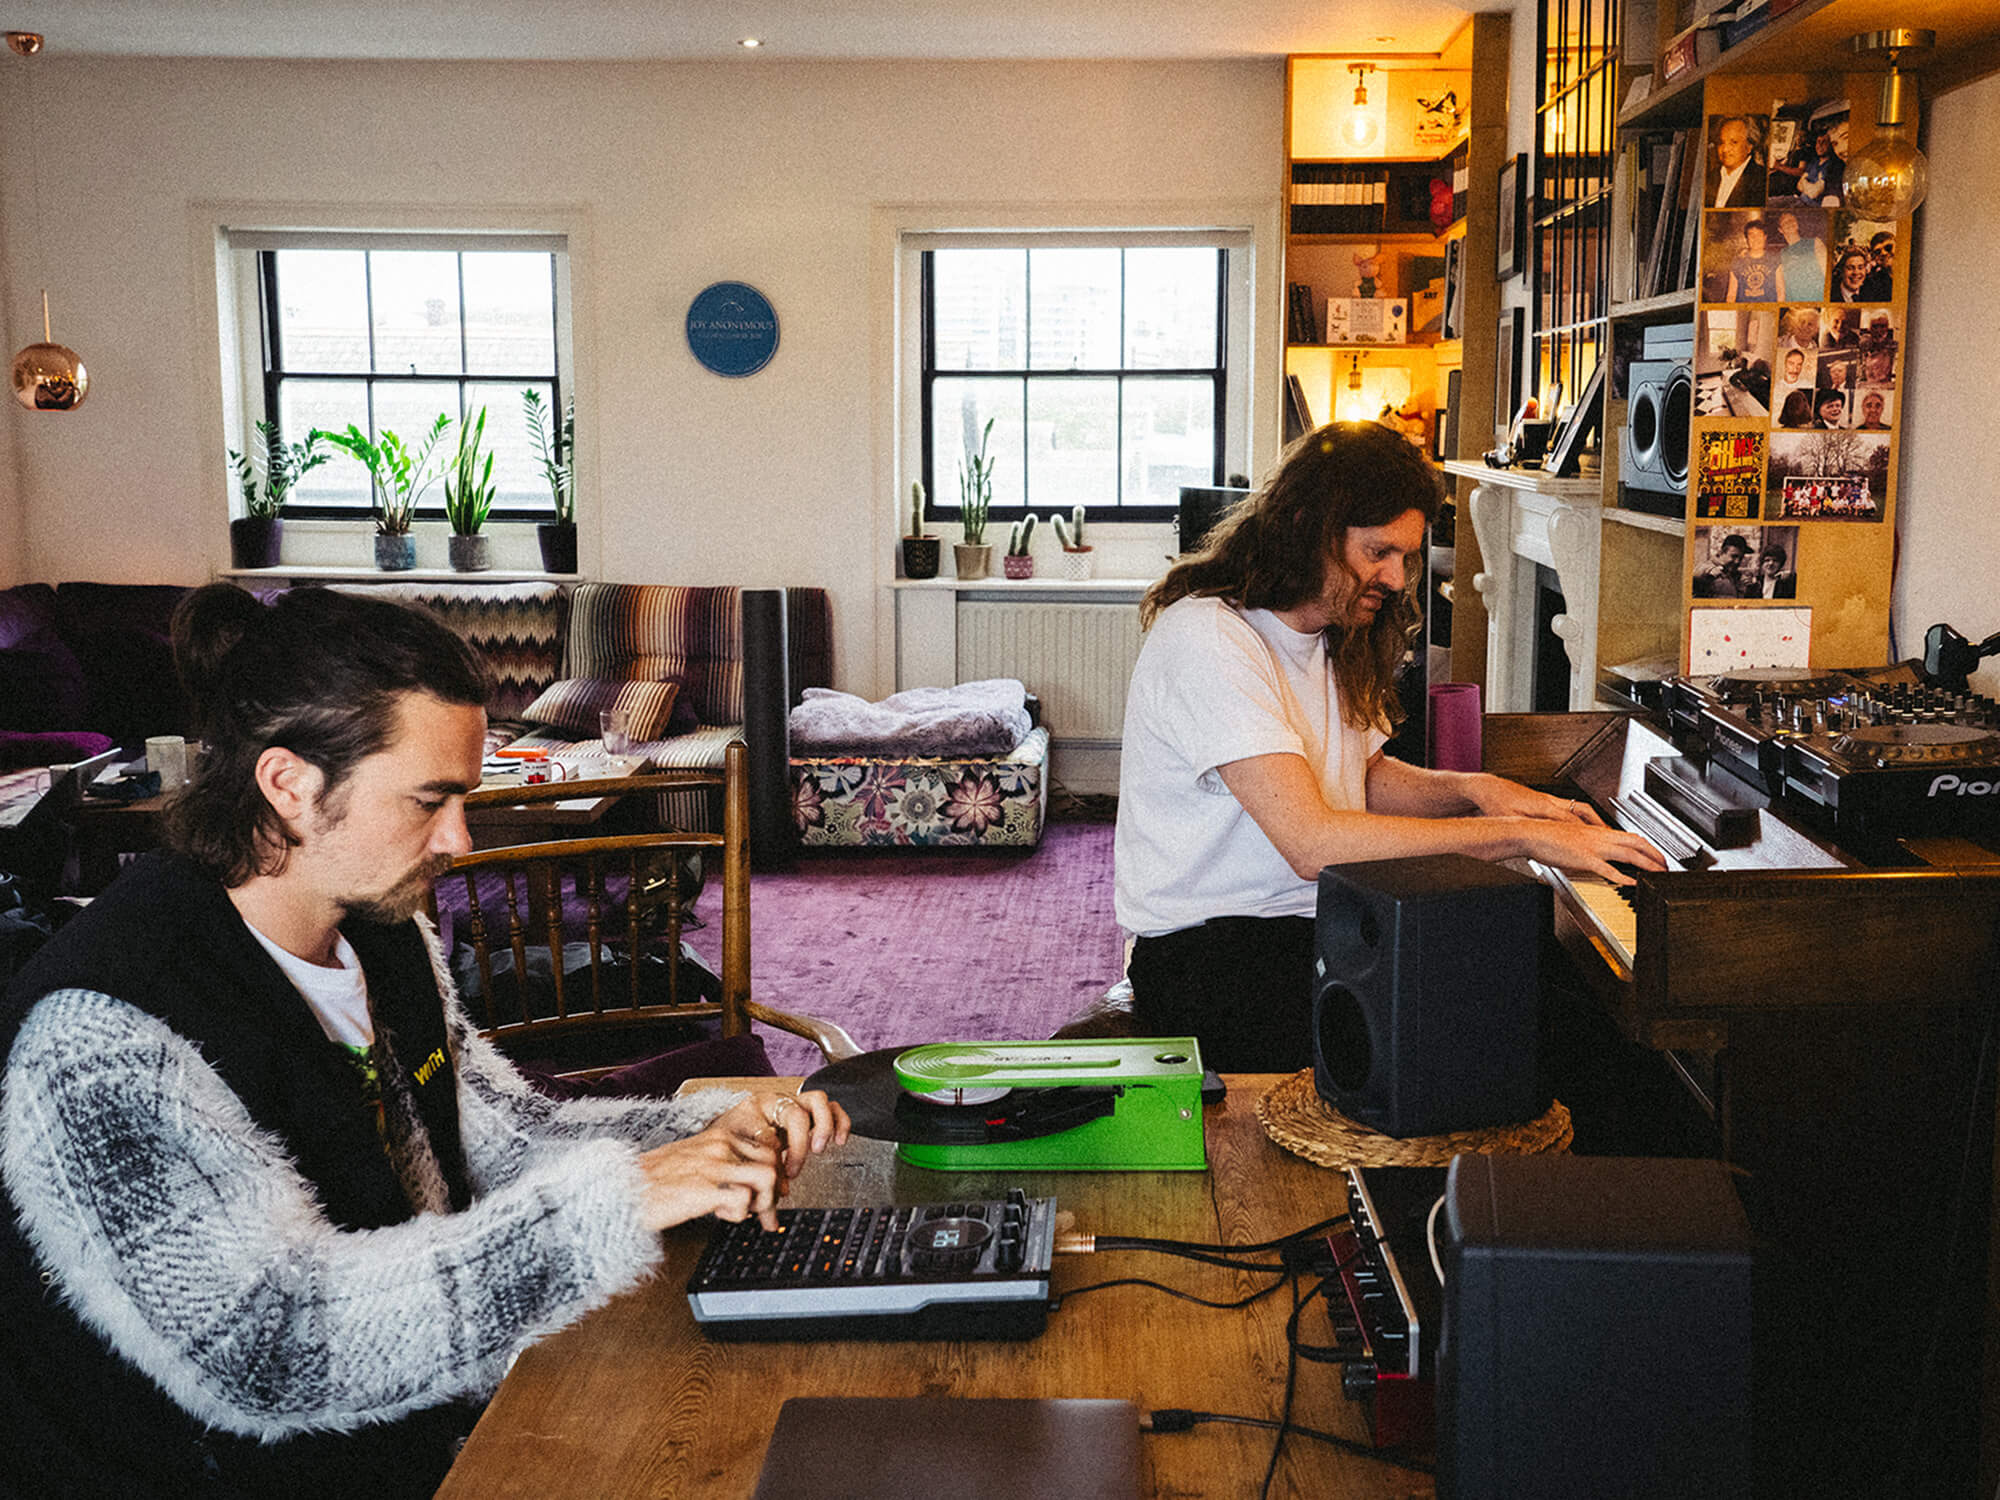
{"points": [[961, 1270]]}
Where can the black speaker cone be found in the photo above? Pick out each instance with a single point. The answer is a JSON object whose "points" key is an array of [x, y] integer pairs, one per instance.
{"points": [[1342, 1051]]}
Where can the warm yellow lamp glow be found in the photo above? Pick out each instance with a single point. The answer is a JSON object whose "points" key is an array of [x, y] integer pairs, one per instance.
{"points": [[1361, 129], [1888, 177]]}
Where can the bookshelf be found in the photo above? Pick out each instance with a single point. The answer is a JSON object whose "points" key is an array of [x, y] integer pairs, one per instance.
{"points": [[1329, 248]]}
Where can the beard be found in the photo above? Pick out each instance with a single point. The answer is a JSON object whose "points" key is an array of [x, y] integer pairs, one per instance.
{"points": [[404, 899]]}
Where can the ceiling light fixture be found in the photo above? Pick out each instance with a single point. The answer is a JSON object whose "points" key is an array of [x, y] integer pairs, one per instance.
{"points": [[1888, 177], [1362, 128], [751, 41], [46, 376]]}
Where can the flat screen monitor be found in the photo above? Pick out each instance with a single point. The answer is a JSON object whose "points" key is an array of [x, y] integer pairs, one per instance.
{"points": [[1200, 509]]}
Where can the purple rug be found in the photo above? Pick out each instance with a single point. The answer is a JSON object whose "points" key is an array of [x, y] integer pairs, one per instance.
{"points": [[906, 946]]}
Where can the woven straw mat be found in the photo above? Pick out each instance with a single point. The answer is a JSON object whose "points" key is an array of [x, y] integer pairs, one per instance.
{"points": [[1297, 1118]]}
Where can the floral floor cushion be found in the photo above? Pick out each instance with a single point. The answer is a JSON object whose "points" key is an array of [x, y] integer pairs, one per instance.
{"points": [[991, 801]]}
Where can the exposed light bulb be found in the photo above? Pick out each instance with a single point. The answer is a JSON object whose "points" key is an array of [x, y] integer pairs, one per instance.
{"points": [[1361, 128], [1888, 177]]}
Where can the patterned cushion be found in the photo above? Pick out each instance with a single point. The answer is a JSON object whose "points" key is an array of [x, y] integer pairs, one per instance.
{"points": [[576, 702], [656, 632], [517, 627], [989, 800]]}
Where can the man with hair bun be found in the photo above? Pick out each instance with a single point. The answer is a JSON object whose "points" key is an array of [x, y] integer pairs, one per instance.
{"points": [[277, 1218], [1253, 749]]}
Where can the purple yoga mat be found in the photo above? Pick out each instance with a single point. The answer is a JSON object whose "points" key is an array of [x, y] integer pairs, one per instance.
{"points": [[1454, 726]]}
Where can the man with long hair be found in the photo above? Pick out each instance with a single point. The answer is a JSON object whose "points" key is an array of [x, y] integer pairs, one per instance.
{"points": [[1253, 749], [277, 1218]]}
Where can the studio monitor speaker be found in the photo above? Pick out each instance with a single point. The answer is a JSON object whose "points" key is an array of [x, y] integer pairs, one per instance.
{"points": [[1426, 994], [1659, 407], [1596, 1336]]}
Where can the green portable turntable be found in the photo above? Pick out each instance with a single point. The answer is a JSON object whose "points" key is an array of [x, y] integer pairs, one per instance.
{"points": [[1120, 1105]]}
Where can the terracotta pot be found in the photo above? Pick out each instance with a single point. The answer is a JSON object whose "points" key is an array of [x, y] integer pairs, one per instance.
{"points": [[1021, 566], [972, 561], [921, 555], [470, 554], [395, 552], [254, 540]]}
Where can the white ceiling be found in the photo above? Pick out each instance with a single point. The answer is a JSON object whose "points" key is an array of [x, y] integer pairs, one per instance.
{"points": [[634, 30]]}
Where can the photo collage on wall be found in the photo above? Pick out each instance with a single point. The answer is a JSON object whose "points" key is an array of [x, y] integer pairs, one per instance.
{"points": [[1797, 349]]}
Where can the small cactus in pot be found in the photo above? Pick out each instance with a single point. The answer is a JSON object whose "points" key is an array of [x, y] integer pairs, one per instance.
{"points": [[1077, 556], [920, 550], [1020, 562]]}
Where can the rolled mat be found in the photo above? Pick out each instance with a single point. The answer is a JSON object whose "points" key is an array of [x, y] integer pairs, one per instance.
{"points": [[1454, 726]]}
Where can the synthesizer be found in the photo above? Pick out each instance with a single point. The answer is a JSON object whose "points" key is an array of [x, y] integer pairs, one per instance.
{"points": [[975, 1269]]}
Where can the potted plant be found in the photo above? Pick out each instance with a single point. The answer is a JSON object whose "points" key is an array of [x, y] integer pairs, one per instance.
{"points": [[920, 550], [397, 480], [254, 536], [555, 451], [1019, 561], [1077, 558], [975, 499], [468, 496]]}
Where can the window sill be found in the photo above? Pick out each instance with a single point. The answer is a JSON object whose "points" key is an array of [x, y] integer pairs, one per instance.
{"points": [[329, 573]]}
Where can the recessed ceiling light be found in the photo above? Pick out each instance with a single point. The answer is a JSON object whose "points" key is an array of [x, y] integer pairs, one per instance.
{"points": [[1385, 39], [751, 41]]}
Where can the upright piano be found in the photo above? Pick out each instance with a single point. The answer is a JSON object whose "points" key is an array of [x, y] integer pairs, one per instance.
{"points": [[1814, 978]]}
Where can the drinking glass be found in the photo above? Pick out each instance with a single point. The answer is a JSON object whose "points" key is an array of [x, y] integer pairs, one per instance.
{"points": [[615, 724]]}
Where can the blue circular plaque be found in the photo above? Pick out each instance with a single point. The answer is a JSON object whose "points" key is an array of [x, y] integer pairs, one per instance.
{"points": [[732, 329]]}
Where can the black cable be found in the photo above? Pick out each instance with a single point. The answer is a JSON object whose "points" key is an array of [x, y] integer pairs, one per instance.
{"points": [[1179, 1419], [1285, 1409], [1056, 1300], [1133, 1242]]}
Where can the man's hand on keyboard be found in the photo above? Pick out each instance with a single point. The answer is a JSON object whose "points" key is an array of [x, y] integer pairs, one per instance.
{"points": [[744, 1162]]}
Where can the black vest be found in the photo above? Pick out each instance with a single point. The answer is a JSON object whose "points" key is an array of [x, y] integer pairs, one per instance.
{"points": [[75, 1419]]}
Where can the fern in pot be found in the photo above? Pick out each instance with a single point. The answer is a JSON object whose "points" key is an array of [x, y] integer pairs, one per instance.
{"points": [[468, 497], [554, 445], [975, 500], [266, 473], [398, 477]]}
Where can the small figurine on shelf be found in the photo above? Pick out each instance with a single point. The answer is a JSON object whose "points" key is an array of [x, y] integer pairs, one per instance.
{"points": [[1366, 268]]}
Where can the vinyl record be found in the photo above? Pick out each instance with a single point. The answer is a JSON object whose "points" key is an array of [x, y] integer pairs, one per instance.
{"points": [[881, 1109]]}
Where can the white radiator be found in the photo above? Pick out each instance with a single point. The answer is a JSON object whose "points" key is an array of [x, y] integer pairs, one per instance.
{"points": [[1077, 658]]}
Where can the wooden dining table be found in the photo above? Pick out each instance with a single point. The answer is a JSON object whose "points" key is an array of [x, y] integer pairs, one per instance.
{"points": [[634, 1400]]}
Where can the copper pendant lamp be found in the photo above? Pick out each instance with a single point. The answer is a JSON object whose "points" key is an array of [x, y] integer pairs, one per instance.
{"points": [[47, 376]]}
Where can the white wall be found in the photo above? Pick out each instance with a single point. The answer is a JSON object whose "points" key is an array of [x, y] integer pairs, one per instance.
{"points": [[680, 175], [1949, 495]]}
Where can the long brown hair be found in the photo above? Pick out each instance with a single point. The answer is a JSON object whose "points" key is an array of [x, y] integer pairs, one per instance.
{"points": [[1273, 551]]}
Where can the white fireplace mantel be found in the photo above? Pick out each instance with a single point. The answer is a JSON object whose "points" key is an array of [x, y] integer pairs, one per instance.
{"points": [[1523, 518]]}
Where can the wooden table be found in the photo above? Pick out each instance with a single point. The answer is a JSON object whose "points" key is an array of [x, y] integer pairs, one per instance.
{"points": [[494, 820], [634, 1401]]}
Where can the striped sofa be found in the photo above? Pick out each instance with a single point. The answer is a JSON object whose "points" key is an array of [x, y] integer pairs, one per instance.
{"points": [[538, 635]]}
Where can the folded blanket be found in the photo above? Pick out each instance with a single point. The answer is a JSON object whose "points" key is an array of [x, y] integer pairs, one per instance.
{"points": [[974, 718]]}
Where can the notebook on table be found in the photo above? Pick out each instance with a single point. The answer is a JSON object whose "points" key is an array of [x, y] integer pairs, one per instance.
{"points": [[867, 1447]]}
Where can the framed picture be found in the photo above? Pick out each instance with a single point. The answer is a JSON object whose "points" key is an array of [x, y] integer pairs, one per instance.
{"points": [[1567, 445], [1507, 371], [1511, 256]]}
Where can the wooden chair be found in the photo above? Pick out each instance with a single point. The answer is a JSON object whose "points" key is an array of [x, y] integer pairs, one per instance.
{"points": [[636, 986]]}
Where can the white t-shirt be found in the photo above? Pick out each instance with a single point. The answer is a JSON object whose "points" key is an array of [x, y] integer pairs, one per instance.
{"points": [[1215, 684], [337, 995]]}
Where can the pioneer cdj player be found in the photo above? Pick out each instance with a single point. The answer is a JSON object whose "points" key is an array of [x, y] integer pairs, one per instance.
{"points": [[1878, 754]]}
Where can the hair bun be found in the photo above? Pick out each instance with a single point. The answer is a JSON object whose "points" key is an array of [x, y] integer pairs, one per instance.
{"points": [[208, 624]]}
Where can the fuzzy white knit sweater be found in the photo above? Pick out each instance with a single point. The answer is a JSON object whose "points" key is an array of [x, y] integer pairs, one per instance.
{"points": [[179, 1230]]}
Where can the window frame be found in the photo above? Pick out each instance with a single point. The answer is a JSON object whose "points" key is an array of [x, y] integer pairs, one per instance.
{"points": [[259, 356], [1232, 374]]}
